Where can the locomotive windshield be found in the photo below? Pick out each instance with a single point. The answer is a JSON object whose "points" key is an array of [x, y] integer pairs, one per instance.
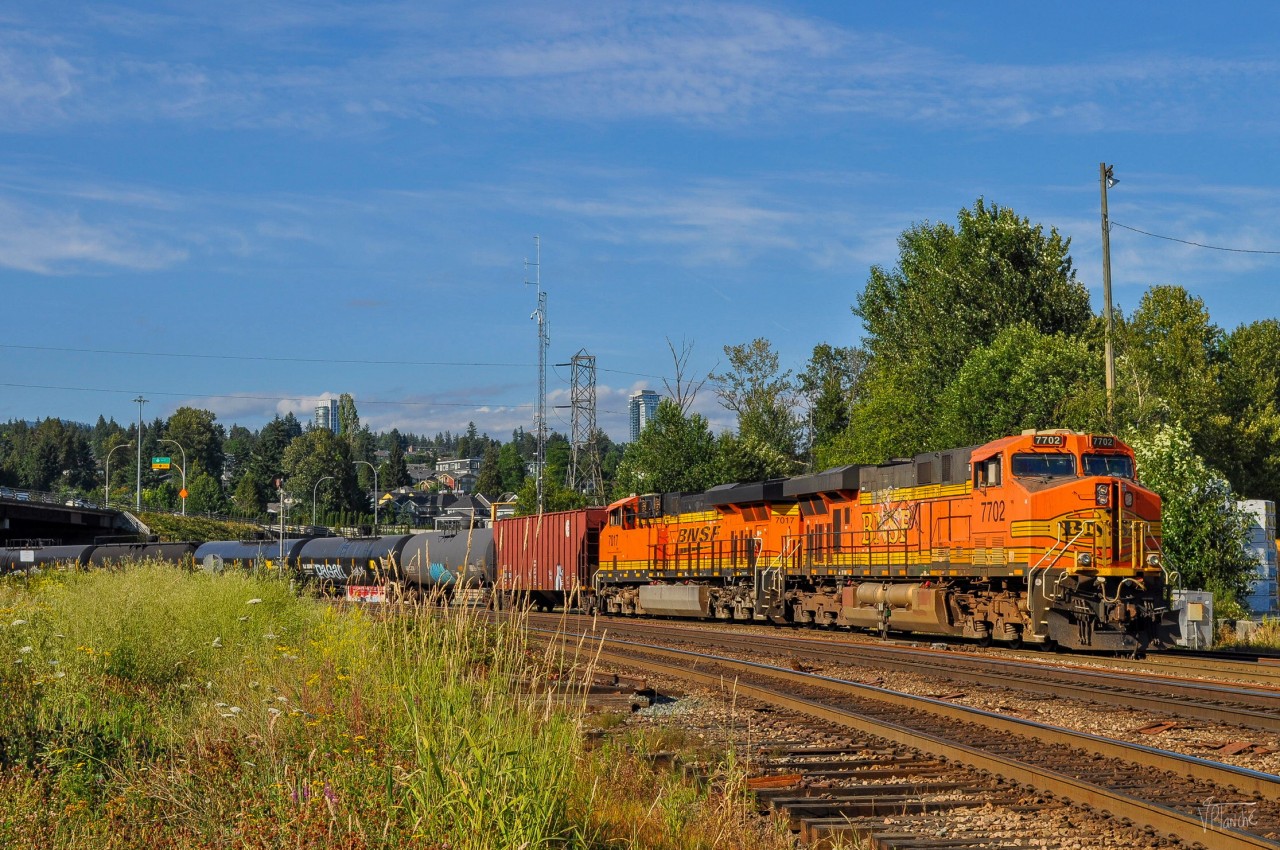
{"points": [[1044, 465], [1112, 466]]}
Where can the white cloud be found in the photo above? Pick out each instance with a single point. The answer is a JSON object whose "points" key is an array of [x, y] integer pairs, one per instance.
{"points": [[49, 241], [278, 67]]}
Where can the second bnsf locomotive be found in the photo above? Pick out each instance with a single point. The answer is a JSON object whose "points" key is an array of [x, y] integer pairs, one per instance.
{"points": [[1044, 538]]}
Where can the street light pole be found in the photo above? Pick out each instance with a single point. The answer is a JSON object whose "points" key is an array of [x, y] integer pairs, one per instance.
{"points": [[314, 491], [183, 470], [375, 493], [141, 401], [106, 487], [1107, 179]]}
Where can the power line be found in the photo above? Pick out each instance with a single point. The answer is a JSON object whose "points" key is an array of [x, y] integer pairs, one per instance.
{"points": [[1196, 244], [264, 359], [303, 398], [299, 398]]}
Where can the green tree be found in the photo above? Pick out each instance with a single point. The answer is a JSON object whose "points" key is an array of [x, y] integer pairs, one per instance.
{"points": [[267, 457], [829, 383], [205, 495], [749, 458], [200, 437], [489, 479], [952, 291], [361, 445], [249, 498], [468, 444], [1246, 432], [558, 454], [237, 451], [763, 396], [1023, 379], [1203, 530], [555, 497], [395, 472], [511, 467], [316, 454], [674, 453], [1174, 349], [348, 417]]}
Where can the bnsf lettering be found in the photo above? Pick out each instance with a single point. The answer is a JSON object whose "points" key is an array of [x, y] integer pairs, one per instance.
{"points": [[697, 535], [1071, 528]]}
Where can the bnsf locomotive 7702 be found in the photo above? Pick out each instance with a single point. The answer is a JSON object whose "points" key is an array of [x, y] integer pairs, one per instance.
{"points": [[1043, 537]]}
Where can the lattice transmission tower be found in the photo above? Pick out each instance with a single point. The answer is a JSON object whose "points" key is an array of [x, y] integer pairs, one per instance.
{"points": [[584, 463]]}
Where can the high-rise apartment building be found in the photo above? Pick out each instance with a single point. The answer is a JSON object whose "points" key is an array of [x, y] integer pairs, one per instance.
{"points": [[327, 415], [644, 405]]}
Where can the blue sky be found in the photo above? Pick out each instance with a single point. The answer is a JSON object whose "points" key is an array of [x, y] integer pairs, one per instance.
{"points": [[270, 203]]}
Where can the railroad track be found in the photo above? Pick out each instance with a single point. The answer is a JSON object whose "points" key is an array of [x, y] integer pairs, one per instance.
{"points": [[1200, 802], [1248, 707]]}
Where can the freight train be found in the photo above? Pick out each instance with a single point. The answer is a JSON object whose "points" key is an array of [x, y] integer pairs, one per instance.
{"points": [[415, 565], [1044, 538]]}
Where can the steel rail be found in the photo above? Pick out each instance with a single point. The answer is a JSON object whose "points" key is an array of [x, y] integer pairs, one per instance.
{"points": [[1219, 703], [1154, 815], [1254, 708]]}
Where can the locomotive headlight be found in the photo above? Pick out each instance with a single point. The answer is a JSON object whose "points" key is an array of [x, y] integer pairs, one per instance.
{"points": [[1084, 560], [1153, 560], [1102, 494], [1128, 499]]}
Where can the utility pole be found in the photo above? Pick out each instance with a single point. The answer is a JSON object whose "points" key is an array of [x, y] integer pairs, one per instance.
{"points": [[141, 401], [540, 315], [1107, 179]]}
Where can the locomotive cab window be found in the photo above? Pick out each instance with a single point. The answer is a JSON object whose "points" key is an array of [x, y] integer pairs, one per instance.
{"points": [[1046, 465], [624, 517], [987, 472], [1111, 466]]}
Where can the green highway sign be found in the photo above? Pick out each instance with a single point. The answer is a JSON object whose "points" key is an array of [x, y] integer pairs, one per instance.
{"points": [[160, 463]]}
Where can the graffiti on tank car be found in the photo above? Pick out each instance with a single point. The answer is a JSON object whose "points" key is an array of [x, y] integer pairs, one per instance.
{"points": [[705, 534], [332, 572]]}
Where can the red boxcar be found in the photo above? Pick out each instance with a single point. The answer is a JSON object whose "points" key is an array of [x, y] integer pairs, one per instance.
{"points": [[548, 556]]}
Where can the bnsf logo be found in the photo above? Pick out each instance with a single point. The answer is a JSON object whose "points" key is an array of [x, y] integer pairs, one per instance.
{"points": [[697, 535]]}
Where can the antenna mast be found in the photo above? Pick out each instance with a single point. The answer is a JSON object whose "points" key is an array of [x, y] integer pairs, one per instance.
{"points": [[544, 341]]}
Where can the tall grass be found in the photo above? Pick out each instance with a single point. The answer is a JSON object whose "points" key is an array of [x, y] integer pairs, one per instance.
{"points": [[157, 707]]}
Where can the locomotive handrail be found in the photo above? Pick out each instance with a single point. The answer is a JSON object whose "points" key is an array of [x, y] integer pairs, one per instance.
{"points": [[1044, 590]]}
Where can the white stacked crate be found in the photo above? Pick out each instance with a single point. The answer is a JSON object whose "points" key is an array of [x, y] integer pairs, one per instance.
{"points": [[1262, 594]]}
